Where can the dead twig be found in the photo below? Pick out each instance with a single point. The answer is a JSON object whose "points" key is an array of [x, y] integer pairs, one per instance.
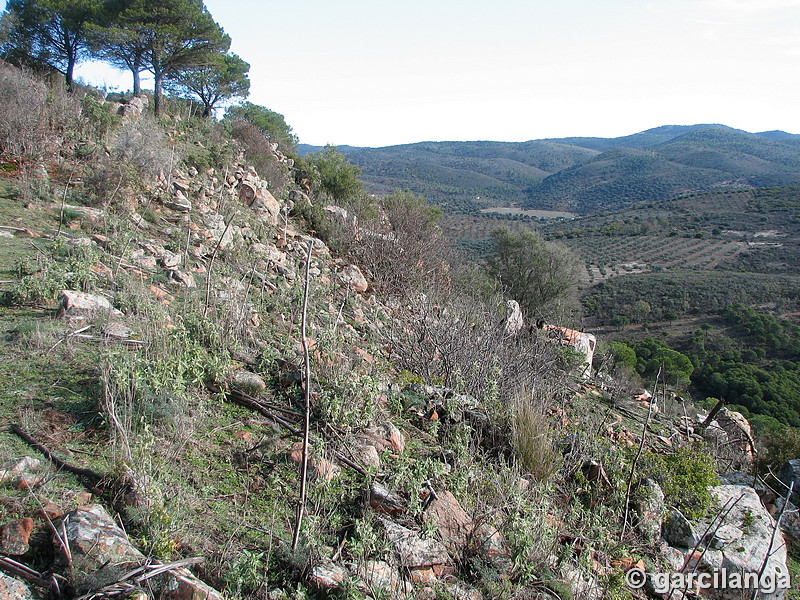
{"points": [[301, 504]]}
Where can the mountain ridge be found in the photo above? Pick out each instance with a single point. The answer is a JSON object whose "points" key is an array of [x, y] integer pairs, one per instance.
{"points": [[581, 174]]}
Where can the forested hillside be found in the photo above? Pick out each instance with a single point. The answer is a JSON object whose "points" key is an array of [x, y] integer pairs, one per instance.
{"points": [[583, 175]]}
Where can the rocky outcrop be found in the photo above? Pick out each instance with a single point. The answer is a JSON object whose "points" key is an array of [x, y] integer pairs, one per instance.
{"points": [[742, 544]]}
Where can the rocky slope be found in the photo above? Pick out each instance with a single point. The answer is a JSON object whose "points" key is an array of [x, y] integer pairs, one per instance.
{"points": [[154, 383]]}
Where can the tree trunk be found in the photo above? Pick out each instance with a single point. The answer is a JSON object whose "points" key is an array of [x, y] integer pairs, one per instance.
{"points": [[157, 92], [137, 81], [69, 73]]}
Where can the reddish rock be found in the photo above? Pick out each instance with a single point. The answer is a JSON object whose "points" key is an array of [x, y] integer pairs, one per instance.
{"points": [[327, 575], [452, 521], [15, 537]]}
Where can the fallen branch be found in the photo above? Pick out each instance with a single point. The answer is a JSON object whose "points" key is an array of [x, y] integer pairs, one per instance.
{"points": [[91, 476]]}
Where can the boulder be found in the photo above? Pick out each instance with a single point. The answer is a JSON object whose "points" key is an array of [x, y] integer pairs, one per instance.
{"points": [[379, 577], [382, 499], [245, 382], [15, 537], [678, 531], [96, 541], [451, 520], [74, 303], [327, 576], [352, 276], [23, 473], [739, 434], [649, 508], [790, 474], [741, 544], [384, 436], [178, 202], [100, 549], [413, 551], [514, 322]]}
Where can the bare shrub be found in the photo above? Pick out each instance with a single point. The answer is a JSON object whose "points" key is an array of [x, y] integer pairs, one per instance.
{"points": [[23, 102], [140, 151], [259, 153]]}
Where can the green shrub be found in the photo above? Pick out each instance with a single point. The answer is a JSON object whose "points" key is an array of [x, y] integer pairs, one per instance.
{"points": [[685, 476]]}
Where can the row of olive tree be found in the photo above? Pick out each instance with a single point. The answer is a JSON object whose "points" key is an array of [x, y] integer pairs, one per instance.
{"points": [[177, 41]]}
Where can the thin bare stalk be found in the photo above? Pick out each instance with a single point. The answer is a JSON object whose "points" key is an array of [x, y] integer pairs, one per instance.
{"points": [[775, 529], [301, 504], [636, 459], [211, 263]]}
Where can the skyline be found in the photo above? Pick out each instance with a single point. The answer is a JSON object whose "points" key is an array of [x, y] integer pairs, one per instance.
{"points": [[362, 74]]}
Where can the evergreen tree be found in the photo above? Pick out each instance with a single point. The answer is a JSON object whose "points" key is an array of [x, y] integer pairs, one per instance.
{"points": [[222, 77], [49, 33], [173, 36]]}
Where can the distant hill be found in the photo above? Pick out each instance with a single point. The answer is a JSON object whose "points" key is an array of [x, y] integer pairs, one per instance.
{"points": [[583, 175]]}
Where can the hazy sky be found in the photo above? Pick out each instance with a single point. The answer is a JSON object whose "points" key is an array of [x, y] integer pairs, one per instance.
{"points": [[375, 73]]}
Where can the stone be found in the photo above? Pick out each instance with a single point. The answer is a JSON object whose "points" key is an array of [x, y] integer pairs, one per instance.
{"points": [[790, 522], [382, 499], [181, 277], [117, 331], [790, 474], [451, 520], [724, 536], [178, 203], [74, 303], [23, 470], [678, 531], [245, 382], [352, 276], [379, 577], [412, 550], [514, 321], [366, 455], [170, 259], [649, 509], [743, 553], [132, 108], [15, 537], [326, 575], [739, 433], [181, 584], [384, 436], [96, 541], [13, 589], [582, 584], [459, 590]]}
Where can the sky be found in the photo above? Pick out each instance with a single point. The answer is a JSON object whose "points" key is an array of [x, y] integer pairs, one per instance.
{"points": [[378, 73]]}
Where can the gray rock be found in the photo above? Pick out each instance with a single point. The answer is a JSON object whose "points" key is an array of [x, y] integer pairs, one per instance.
{"points": [[678, 531], [514, 322], [326, 575], [379, 577], [352, 276], [75, 303], [743, 553], [413, 551], [245, 382], [725, 535], [649, 507], [13, 589], [96, 541], [790, 474], [179, 203]]}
